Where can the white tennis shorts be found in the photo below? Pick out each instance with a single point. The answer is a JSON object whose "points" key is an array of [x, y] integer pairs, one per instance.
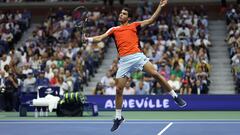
{"points": [[131, 63]]}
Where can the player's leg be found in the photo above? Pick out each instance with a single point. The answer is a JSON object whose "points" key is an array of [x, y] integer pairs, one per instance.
{"points": [[120, 84], [149, 68]]}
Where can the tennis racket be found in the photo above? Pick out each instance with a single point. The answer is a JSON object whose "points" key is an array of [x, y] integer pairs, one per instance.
{"points": [[80, 16]]}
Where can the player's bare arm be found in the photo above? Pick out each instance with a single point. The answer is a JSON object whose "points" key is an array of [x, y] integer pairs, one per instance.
{"points": [[155, 15], [96, 39]]}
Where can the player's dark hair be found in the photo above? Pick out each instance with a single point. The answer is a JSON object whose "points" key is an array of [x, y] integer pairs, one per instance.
{"points": [[129, 11]]}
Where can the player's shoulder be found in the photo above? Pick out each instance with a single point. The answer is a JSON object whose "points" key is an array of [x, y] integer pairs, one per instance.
{"points": [[136, 23], [114, 28]]}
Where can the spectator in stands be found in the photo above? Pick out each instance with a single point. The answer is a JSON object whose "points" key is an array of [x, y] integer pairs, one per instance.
{"points": [[236, 69], [68, 65], [49, 73], [149, 79], [183, 33], [69, 79], [156, 55], [111, 90], [156, 89], [165, 70], [35, 62], [29, 83], [203, 68], [51, 61], [10, 95], [129, 90], [5, 60], [7, 37], [15, 58], [236, 58], [2, 90], [79, 78], [2, 78], [105, 80], [203, 77], [175, 83], [199, 88], [142, 88], [3, 46], [54, 79], [63, 87], [231, 15], [26, 18], [186, 87], [176, 71], [99, 89], [137, 76], [96, 54], [42, 80], [26, 69], [202, 41]]}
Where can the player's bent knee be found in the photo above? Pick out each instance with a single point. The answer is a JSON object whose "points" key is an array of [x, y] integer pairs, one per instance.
{"points": [[119, 91], [155, 74]]}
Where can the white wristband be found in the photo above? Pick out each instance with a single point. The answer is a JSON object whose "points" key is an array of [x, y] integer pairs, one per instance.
{"points": [[90, 40]]}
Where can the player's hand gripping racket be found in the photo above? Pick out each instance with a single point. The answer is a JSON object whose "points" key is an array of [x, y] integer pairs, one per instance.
{"points": [[80, 15]]}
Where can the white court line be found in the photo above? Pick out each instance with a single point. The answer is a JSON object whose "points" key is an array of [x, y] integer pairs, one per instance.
{"points": [[109, 122], [41, 122], [164, 120], [162, 131]]}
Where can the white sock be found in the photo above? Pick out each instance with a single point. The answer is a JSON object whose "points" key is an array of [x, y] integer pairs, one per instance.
{"points": [[118, 114], [173, 93]]}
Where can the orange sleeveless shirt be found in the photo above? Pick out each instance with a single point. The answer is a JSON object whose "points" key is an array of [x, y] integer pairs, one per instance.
{"points": [[126, 38]]}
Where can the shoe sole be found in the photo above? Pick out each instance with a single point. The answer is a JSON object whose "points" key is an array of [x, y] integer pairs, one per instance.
{"points": [[183, 105], [119, 126]]}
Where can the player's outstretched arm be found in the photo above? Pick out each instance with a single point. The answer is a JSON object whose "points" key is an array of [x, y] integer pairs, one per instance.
{"points": [[155, 15], [95, 39]]}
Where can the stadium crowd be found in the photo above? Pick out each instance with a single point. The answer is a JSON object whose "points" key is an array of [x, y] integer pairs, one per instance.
{"points": [[54, 55], [233, 42], [12, 26], [178, 46]]}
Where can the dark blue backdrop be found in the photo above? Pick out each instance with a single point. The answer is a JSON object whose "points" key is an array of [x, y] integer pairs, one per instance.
{"points": [[162, 102], [165, 102]]}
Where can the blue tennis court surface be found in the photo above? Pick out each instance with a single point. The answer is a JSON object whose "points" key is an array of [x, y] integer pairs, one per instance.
{"points": [[131, 127]]}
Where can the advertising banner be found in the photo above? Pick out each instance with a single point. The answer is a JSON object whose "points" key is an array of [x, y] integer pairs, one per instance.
{"points": [[166, 102]]}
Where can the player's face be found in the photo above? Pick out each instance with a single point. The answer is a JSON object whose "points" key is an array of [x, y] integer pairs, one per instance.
{"points": [[123, 17]]}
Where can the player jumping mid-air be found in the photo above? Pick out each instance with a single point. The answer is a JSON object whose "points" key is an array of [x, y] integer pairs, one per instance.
{"points": [[131, 56]]}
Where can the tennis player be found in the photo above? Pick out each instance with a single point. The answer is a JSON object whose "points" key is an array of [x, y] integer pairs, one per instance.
{"points": [[131, 56]]}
